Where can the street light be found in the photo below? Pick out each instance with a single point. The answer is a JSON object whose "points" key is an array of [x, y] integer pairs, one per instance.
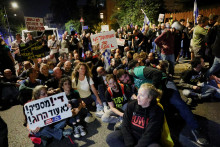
{"points": [[14, 5]]}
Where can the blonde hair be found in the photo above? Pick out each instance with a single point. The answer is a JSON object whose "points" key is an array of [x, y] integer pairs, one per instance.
{"points": [[37, 90], [153, 92], [42, 65]]}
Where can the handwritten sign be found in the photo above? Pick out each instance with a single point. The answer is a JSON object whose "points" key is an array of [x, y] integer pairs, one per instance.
{"points": [[34, 23], [120, 42], [32, 50], [63, 50], [45, 111], [106, 40], [161, 17], [104, 28]]}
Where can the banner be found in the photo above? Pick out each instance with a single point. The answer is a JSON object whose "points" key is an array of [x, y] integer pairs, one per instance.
{"points": [[120, 42], [31, 51], [45, 111], [34, 23], [106, 40], [104, 28]]}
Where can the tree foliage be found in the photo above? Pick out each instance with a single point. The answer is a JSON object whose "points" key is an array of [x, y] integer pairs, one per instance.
{"points": [[129, 11], [73, 25]]}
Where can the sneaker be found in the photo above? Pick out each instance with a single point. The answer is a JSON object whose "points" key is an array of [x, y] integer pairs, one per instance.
{"points": [[200, 137], [106, 108], [67, 132], [99, 107], [89, 118], [76, 132], [99, 113], [81, 130]]}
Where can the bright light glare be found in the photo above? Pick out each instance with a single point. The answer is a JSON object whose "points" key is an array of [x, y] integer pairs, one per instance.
{"points": [[14, 5]]}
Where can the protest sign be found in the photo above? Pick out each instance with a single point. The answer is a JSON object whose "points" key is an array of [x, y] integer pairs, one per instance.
{"points": [[161, 17], [63, 50], [106, 40], [120, 42], [85, 27], [34, 23], [104, 28], [45, 111], [32, 50]]}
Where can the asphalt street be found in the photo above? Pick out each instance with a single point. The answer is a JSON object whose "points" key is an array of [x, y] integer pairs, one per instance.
{"points": [[206, 112]]}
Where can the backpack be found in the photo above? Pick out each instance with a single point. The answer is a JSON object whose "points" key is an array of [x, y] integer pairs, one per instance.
{"points": [[88, 80], [122, 89]]}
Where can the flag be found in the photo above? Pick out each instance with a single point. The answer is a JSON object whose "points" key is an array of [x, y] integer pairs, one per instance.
{"points": [[195, 11], [107, 58], [131, 25], [146, 21]]}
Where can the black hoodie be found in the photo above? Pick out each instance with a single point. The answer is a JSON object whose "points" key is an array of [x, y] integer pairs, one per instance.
{"points": [[142, 126]]}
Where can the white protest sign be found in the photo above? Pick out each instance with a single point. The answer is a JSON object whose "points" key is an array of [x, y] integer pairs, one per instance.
{"points": [[120, 42], [106, 40], [104, 28], [53, 51], [34, 23], [45, 111], [161, 17], [63, 50]]}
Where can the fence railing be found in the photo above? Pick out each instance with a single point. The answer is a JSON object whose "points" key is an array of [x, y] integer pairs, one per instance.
{"points": [[189, 14]]}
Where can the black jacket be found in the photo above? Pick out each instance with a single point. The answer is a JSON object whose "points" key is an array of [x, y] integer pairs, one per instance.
{"points": [[142, 126]]}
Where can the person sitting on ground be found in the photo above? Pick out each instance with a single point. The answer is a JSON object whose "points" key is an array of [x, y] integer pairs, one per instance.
{"points": [[77, 106], [191, 78], [52, 131], [117, 97], [142, 121], [53, 83], [144, 74], [82, 81], [28, 85], [9, 87], [151, 61], [44, 73]]}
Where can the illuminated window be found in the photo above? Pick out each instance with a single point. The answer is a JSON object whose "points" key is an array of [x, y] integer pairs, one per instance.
{"points": [[102, 15]]}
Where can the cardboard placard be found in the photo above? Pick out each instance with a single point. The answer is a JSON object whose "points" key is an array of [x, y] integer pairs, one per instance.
{"points": [[63, 50], [48, 110], [120, 42], [34, 23], [106, 40]]}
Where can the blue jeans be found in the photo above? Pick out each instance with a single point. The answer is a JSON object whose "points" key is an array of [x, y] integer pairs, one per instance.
{"points": [[115, 139], [181, 106], [215, 67], [171, 60], [55, 131]]}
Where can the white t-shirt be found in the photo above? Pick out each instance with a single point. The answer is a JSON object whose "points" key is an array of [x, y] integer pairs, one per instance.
{"points": [[83, 87]]}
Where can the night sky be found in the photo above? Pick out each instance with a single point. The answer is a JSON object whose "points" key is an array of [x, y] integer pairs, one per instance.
{"points": [[35, 8]]}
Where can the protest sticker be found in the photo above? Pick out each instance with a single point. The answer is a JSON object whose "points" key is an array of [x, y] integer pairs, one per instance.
{"points": [[104, 28], [34, 23], [32, 50], [63, 50], [120, 42], [48, 110], [106, 40]]}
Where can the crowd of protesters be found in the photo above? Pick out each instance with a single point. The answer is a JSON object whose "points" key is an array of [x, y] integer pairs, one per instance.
{"points": [[149, 55]]}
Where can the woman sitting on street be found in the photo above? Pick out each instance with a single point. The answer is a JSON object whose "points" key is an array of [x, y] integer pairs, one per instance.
{"points": [[142, 121]]}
